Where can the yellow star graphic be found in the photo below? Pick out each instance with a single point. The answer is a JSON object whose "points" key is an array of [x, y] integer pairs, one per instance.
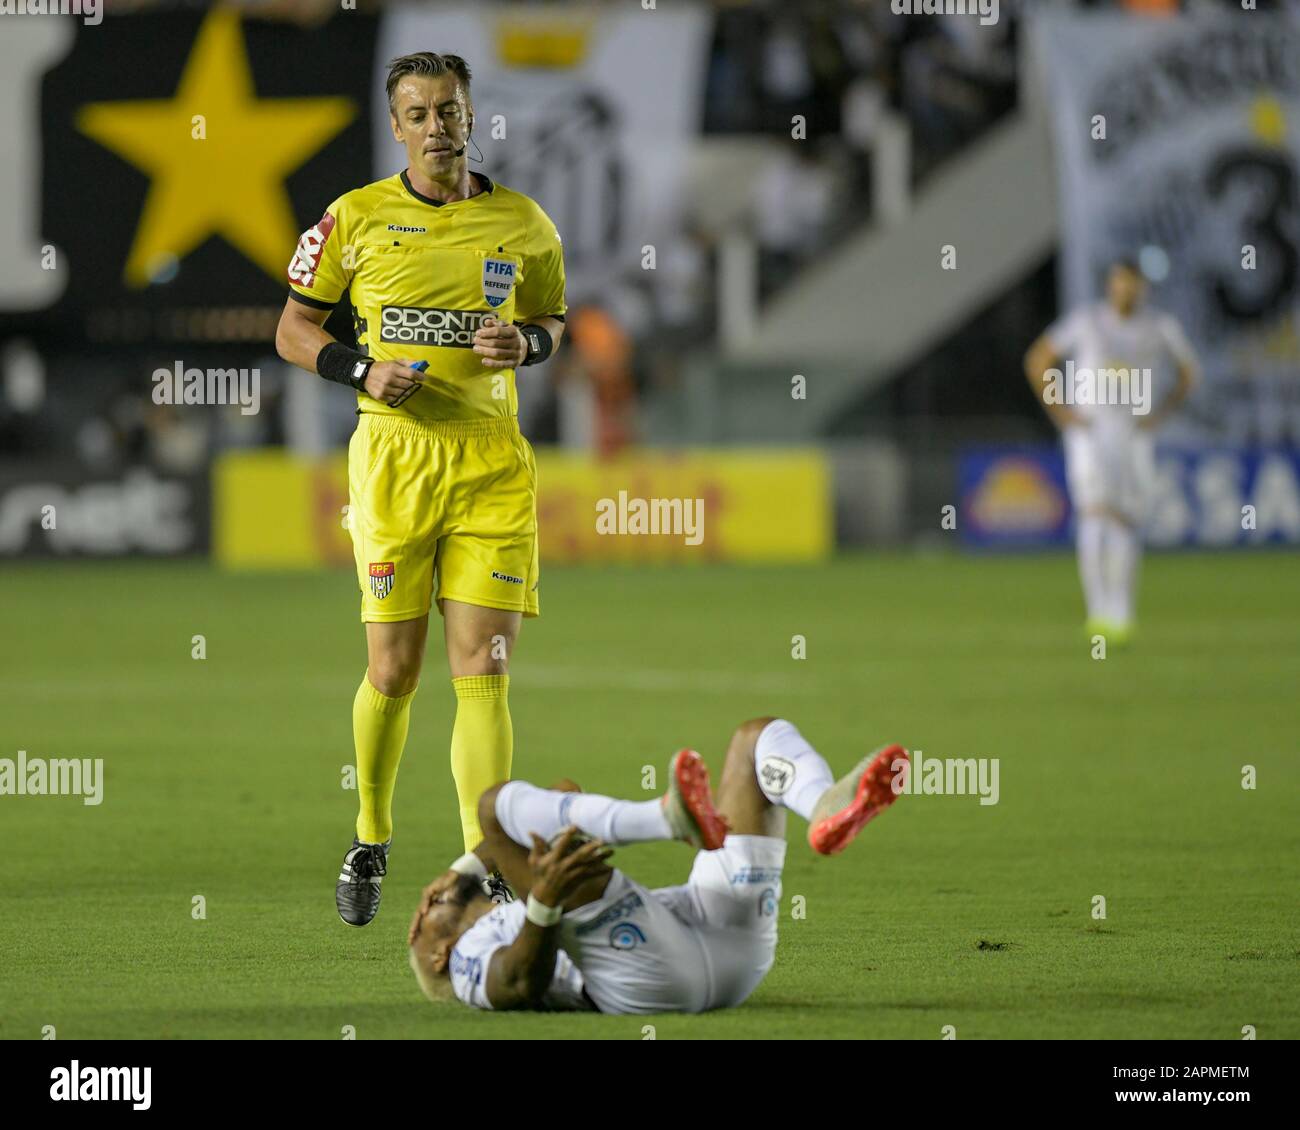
{"points": [[217, 156]]}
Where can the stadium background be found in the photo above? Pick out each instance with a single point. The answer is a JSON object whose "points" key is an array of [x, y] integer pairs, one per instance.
{"points": [[765, 321]]}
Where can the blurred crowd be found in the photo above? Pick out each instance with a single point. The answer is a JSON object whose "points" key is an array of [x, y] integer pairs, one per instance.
{"points": [[846, 66]]}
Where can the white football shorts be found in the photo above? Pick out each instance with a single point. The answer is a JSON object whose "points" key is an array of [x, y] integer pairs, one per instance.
{"points": [[705, 944], [1110, 467]]}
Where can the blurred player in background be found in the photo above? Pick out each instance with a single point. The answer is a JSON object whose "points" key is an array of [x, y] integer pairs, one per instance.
{"points": [[1103, 404], [447, 268], [590, 937]]}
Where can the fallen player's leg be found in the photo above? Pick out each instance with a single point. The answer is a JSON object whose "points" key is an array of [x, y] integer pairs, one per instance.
{"points": [[684, 812]]}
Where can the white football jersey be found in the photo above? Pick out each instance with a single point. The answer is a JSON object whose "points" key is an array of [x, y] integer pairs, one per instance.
{"points": [[1095, 338], [495, 930]]}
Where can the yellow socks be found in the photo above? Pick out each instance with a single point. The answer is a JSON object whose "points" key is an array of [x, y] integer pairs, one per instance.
{"points": [[379, 726], [482, 742]]}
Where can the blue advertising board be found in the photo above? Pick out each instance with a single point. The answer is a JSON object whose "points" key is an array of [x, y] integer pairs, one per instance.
{"points": [[1015, 497]]}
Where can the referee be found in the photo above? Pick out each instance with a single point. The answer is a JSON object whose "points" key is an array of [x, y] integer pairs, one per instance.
{"points": [[441, 266]]}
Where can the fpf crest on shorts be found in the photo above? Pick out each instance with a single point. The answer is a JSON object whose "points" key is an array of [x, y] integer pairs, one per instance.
{"points": [[381, 578]]}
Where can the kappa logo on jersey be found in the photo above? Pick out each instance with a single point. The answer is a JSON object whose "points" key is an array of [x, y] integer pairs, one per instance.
{"points": [[776, 773], [626, 936], [302, 270], [415, 325], [498, 278], [381, 578]]}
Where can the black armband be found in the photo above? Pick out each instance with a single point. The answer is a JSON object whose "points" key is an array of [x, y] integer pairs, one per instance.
{"points": [[344, 366], [539, 342]]}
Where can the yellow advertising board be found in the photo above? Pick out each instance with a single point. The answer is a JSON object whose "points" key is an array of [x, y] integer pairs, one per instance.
{"points": [[273, 510]]}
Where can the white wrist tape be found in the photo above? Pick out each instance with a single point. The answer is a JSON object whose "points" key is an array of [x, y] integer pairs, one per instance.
{"points": [[470, 864], [542, 914]]}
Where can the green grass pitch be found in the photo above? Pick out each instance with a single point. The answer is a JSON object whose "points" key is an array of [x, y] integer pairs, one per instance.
{"points": [[1119, 777]]}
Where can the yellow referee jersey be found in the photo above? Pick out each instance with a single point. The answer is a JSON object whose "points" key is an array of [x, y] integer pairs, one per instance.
{"points": [[422, 275]]}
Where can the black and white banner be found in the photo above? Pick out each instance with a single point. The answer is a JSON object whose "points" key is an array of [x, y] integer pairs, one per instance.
{"points": [[588, 110], [1178, 142], [158, 168]]}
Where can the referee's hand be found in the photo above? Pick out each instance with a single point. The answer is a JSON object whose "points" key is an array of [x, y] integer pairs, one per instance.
{"points": [[499, 345], [392, 382]]}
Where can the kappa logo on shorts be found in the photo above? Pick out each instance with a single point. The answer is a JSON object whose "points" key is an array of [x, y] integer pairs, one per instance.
{"points": [[498, 278], [776, 774], [767, 903], [507, 577], [381, 578], [626, 936]]}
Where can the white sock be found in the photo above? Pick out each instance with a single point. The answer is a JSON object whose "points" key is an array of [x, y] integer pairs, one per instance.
{"points": [[523, 809], [1091, 543], [790, 772], [1124, 548]]}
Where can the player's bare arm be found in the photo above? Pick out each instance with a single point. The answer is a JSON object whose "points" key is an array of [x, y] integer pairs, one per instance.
{"points": [[300, 336], [519, 975], [1040, 357]]}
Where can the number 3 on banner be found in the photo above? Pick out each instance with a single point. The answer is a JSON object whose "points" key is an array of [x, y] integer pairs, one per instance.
{"points": [[1273, 180]]}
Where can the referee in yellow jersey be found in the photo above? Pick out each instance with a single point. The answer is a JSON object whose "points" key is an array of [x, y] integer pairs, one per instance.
{"points": [[444, 267]]}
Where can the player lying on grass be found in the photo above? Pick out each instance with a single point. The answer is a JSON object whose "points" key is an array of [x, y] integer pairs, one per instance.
{"points": [[589, 937]]}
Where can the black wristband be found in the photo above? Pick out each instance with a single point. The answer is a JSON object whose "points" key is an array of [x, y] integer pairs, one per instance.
{"points": [[539, 343], [344, 366]]}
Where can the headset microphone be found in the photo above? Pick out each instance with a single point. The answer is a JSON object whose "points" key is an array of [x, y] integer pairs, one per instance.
{"points": [[461, 151]]}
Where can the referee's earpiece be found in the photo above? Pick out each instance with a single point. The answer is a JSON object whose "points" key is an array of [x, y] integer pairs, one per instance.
{"points": [[461, 151]]}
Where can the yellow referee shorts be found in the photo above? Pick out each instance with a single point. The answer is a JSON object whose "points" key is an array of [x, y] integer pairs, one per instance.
{"points": [[451, 499]]}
